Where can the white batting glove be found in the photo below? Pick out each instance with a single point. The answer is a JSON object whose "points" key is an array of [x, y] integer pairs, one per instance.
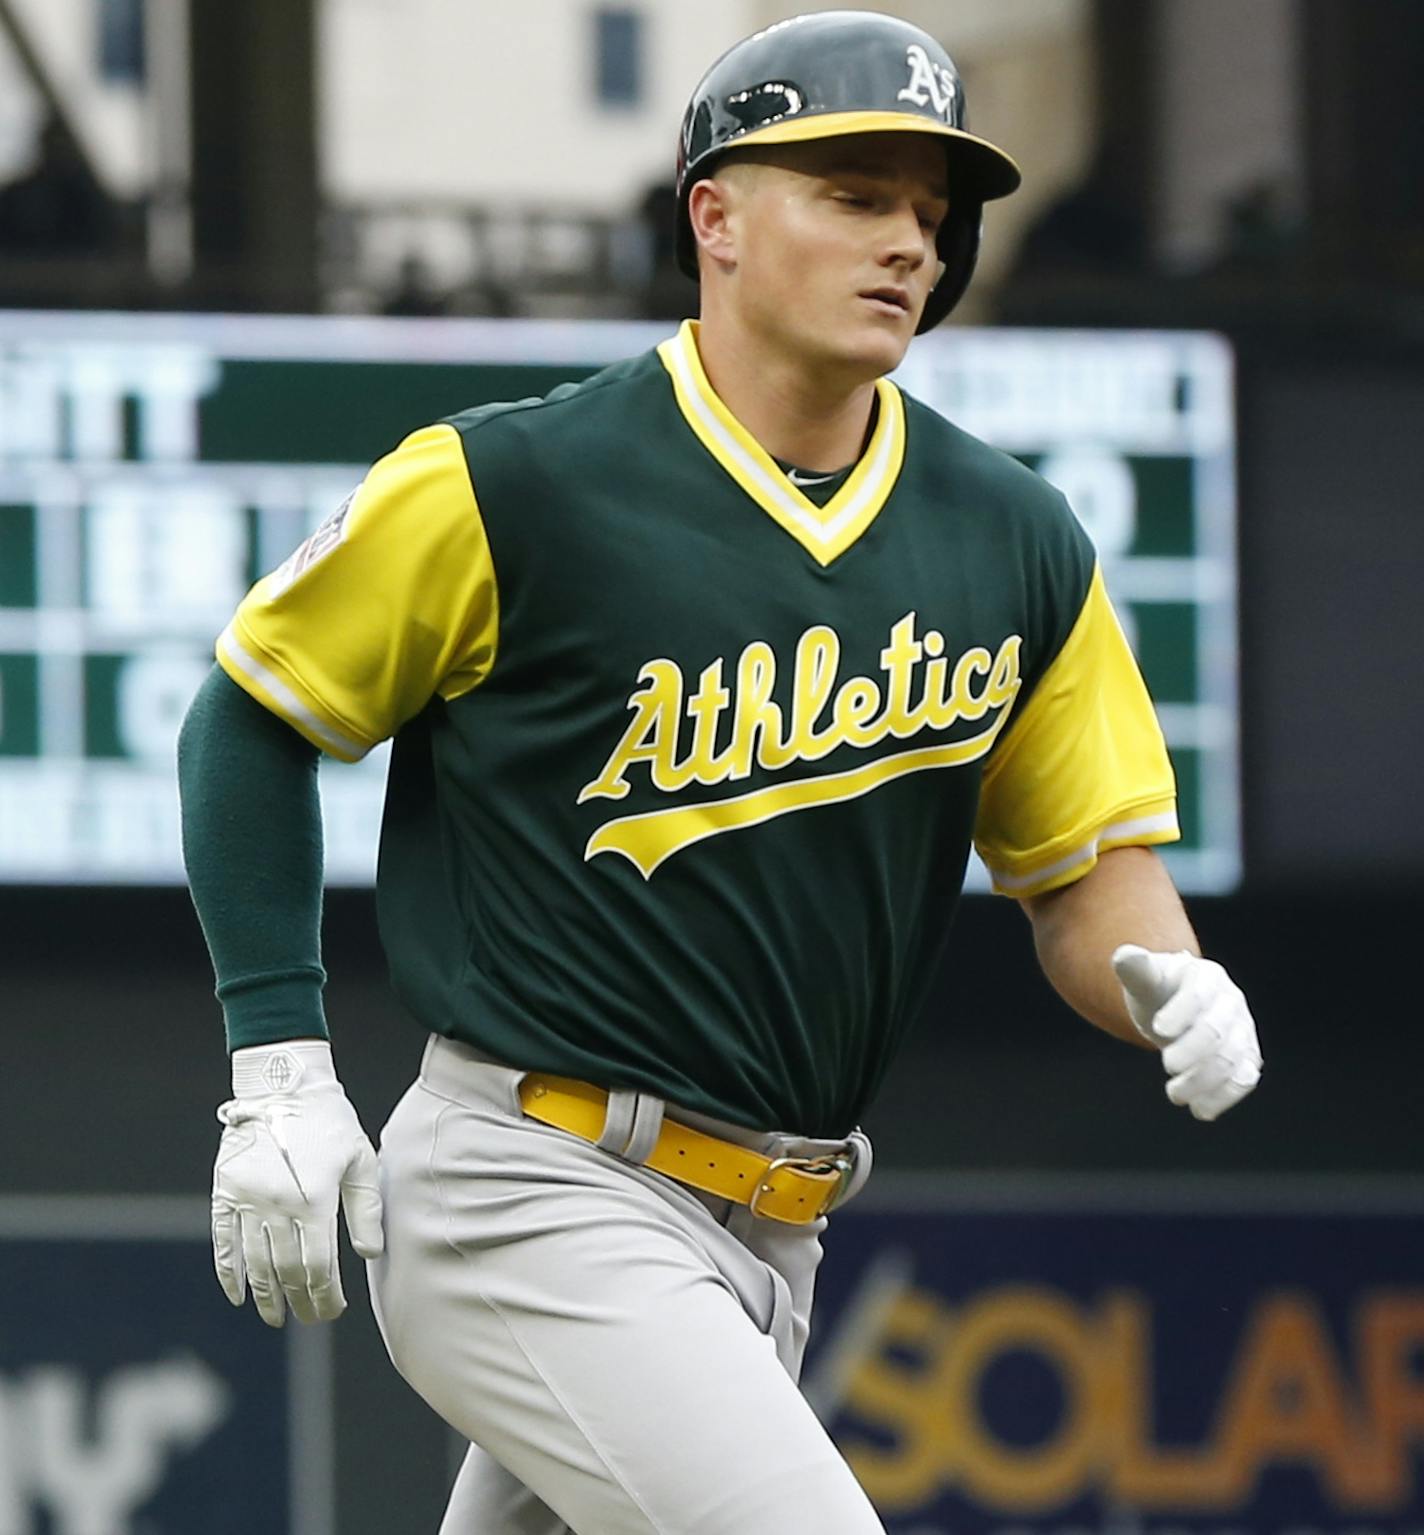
{"points": [[292, 1144], [1193, 1010]]}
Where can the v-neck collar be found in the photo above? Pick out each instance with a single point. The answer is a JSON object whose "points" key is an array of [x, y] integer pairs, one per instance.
{"points": [[825, 532]]}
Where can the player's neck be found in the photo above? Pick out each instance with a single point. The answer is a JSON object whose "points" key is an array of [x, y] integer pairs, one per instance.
{"points": [[795, 409]]}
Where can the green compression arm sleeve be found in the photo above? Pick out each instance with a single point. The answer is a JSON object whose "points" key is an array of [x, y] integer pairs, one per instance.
{"points": [[253, 850]]}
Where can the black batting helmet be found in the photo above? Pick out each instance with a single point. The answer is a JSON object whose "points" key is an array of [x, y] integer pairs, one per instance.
{"points": [[836, 72]]}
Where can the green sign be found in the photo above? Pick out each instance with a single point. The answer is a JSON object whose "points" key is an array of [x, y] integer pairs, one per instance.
{"points": [[152, 467]]}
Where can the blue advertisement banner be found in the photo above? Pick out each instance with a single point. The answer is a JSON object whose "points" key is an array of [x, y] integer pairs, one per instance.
{"points": [[133, 1399], [1152, 1365]]}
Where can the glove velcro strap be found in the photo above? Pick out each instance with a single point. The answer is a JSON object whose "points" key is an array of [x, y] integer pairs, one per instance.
{"points": [[260, 1071]]}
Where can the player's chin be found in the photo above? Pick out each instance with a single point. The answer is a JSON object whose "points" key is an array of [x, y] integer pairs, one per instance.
{"points": [[881, 344]]}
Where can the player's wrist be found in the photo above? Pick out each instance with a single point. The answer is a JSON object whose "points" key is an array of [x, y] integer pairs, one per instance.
{"points": [[273, 1009], [282, 1068]]}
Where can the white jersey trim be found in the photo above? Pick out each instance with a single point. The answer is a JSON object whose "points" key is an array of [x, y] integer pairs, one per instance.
{"points": [[1119, 833], [288, 704]]}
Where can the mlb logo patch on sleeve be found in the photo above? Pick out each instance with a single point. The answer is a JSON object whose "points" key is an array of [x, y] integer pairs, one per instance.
{"points": [[312, 549]]}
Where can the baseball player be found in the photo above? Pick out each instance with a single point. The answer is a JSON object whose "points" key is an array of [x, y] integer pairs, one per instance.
{"points": [[702, 676]]}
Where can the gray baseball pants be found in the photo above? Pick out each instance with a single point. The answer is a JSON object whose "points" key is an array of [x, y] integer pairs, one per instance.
{"points": [[621, 1351]]}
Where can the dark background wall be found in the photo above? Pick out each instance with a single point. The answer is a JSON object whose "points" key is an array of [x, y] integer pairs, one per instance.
{"points": [[1332, 538]]}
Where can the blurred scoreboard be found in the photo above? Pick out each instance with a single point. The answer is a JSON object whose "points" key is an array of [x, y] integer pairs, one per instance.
{"points": [[152, 467]]}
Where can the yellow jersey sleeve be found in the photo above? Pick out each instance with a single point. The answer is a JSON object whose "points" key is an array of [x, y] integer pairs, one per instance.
{"points": [[1082, 770], [391, 601]]}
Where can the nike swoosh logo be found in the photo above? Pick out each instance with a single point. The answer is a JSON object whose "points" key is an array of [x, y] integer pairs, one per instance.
{"points": [[803, 480]]}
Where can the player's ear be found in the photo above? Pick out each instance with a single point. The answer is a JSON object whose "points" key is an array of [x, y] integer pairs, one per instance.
{"points": [[711, 212]]}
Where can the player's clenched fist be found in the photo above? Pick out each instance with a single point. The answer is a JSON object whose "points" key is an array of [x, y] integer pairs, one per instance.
{"points": [[1195, 1012], [292, 1147]]}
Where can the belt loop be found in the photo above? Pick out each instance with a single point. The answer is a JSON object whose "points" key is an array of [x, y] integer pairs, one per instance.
{"points": [[862, 1157], [618, 1121], [647, 1126]]}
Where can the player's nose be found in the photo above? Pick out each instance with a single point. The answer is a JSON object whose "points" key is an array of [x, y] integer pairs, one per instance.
{"points": [[907, 242]]}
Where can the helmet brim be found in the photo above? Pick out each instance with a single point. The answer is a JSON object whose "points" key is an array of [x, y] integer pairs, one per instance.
{"points": [[979, 169]]}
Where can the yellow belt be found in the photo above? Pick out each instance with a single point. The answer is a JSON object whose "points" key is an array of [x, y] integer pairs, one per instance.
{"points": [[796, 1190]]}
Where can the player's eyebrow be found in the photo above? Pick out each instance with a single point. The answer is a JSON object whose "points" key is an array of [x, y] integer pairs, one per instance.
{"points": [[854, 161]]}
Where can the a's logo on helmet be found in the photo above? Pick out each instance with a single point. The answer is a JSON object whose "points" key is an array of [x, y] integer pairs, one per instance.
{"points": [[930, 84]]}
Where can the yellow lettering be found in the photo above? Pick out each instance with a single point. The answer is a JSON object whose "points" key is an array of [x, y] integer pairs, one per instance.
{"points": [[936, 708], [705, 709], [964, 705], [1391, 1342], [1004, 679], [1287, 1400], [856, 706], [1137, 1470], [899, 658], [902, 1400], [756, 725], [651, 737], [861, 713], [818, 656], [647, 840], [1011, 1477]]}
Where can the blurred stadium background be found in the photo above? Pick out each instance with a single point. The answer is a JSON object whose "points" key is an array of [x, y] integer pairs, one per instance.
{"points": [[1062, 1307]]}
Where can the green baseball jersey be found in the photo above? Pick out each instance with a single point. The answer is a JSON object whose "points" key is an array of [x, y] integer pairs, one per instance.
{"points": [[686, 767]]}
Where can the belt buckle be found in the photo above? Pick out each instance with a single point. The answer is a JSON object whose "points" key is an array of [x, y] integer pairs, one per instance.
{"points": [[840, 1163]]}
